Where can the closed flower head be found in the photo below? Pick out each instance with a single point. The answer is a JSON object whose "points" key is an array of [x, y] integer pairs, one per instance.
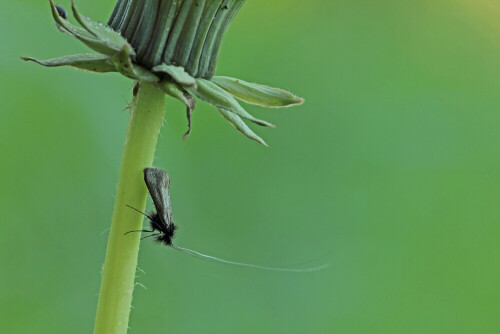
{"points": [[173, 44]]}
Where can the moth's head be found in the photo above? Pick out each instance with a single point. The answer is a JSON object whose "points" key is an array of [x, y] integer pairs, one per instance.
{"points": [[167, 235]]}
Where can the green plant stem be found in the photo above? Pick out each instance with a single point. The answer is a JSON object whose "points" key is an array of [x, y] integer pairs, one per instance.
{"points": [[118, 275]]}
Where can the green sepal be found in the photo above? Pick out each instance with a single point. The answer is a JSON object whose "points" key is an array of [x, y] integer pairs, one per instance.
{"points": [[144, 30], [93, 42], [117, 13], [231, 10], [210, 39], [238, 123], [258, 94], [100, 31], [174, 90], [186, 39], [85, 62], [154, 52], [201, 34], [125, 66], [213, 94], [133, 18], [177, 73], [175, 34]]}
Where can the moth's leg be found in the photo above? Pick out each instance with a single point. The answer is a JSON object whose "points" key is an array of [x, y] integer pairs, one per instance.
{"points": [[138, 231], [151, 235]]}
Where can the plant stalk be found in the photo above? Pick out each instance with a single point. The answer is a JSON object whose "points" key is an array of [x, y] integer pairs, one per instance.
{"points": [[118, 274]]}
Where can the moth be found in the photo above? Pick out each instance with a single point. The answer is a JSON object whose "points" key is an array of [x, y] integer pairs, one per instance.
{"points": [[162, 226], [161, 222]]}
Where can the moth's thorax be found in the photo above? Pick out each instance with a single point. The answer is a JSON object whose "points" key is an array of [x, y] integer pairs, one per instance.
{"points": [[155, 222], [165, 231]]}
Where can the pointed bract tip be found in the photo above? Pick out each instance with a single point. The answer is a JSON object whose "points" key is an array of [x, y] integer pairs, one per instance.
{"points": [[30, 59]]}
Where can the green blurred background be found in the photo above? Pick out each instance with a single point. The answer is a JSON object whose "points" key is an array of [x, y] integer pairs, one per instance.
{"points": [[392, 167]]}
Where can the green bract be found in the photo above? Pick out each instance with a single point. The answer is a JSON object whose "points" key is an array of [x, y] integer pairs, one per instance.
{"points": [[173, 44]]}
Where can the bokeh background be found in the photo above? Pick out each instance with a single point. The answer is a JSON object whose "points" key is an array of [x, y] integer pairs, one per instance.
{"points": [[391, 169]]}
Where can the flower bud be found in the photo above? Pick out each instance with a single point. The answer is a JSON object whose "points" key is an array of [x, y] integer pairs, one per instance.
{"points": [[173, 44]]}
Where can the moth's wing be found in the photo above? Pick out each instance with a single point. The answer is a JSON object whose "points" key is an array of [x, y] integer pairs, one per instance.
{"points": [[158, 184]]}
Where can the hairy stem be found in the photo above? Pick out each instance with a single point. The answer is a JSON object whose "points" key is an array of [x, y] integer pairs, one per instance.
{"points": [[118, 275]]}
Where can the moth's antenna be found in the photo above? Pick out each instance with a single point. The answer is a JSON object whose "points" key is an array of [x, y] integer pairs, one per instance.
{"points": [[316, 259], [147, 214], [255, 266]]}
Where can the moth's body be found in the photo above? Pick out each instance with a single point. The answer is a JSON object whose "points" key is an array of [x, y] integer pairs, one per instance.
{"points": [[163, 232], [161, 222]]}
